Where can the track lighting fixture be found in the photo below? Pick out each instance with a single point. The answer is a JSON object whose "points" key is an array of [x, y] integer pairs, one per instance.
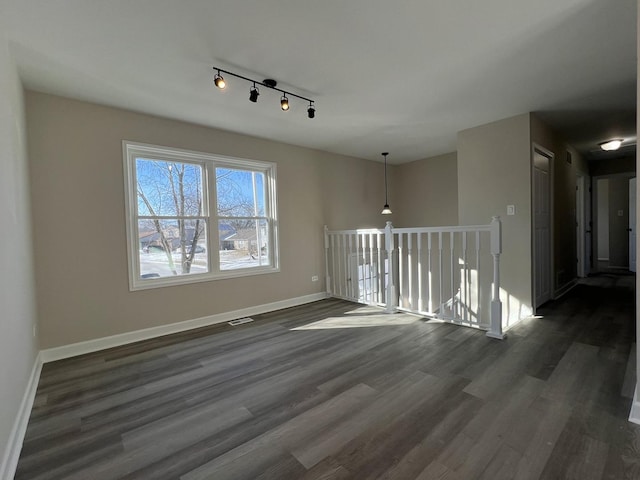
{"points": [[253, 94], [219, 81], [385, 210], [284, 103]]}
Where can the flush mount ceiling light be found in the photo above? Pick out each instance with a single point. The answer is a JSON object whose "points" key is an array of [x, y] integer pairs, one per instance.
{"points": [[385, 210], [219, 82], [611, 144]]}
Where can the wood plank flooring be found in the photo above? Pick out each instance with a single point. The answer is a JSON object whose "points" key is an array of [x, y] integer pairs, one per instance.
{"points": [[335, 390]]}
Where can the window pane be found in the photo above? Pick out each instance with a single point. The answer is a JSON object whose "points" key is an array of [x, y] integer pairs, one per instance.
{"points": [[240, 193], [244, 244], [172, 247], [168, 188]]}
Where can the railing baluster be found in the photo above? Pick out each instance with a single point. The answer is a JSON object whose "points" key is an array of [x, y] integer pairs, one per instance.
{"points": [[410, 268], [379, 269], [400, 269], [453, 275], [348, 239], [420, 301], [441, 279], [465, 283], [370, 270], [477, 306], [430, 278], [327, 277], [363, 241], [333, 260], [354, 283]]}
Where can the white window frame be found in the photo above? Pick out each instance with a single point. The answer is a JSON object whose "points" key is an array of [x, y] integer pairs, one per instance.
{"points": [[209, 163]]}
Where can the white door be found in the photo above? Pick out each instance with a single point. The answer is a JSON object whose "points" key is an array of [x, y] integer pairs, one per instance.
{"points": [[542, 227], [588, 255], [632, 224]]}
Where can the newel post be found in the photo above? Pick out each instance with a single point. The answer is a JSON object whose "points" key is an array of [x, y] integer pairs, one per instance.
{"points": [[327, 277], [390, 277], [495, 329]]}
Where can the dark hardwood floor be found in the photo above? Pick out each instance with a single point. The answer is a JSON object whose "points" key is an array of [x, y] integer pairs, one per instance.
{"points": [[338, 390]]}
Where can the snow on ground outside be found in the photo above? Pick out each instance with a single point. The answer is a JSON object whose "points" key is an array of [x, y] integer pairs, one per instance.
{"points": [[156, 262]]}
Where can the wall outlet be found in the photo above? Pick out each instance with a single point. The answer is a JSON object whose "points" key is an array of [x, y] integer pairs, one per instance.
{"points": [[511, 209], [314, 278]]}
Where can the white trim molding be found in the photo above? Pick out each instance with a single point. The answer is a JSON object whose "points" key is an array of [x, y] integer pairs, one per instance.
{"points": [[14, 446], [89, 346], [634, 415], [564, 289]]}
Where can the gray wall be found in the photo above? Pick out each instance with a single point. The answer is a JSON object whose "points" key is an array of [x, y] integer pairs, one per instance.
{"points": [[426, 192], [494, 170], [18, 348], [75, 153]]}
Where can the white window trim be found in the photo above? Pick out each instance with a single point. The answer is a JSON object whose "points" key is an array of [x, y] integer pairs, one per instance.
{"points": [[132, 150]]}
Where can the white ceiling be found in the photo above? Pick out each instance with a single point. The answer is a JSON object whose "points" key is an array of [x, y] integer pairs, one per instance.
{"points": [[401, 76]]}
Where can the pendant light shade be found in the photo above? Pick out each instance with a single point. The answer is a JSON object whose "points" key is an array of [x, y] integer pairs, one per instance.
{"points": [[386, 210]]}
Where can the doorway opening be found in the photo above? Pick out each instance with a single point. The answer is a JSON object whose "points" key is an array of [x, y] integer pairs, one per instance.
{"points": [[614, 226]]}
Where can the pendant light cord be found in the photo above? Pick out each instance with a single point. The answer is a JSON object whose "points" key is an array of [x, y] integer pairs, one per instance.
{"points": [[386, 200]]}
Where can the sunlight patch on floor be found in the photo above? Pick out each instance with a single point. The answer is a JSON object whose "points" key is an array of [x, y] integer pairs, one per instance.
{"points": [[359, 321]]}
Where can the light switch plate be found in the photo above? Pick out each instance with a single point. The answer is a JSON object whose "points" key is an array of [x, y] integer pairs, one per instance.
{"points": [[511, 209]]}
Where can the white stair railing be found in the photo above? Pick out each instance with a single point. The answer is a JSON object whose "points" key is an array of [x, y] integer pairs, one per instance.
{"points": [[450, 273]]}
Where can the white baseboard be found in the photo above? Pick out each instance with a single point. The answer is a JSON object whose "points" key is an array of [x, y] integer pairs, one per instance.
{"points": [[14, 446], [563, 290], [634, 415], [89, 346]]}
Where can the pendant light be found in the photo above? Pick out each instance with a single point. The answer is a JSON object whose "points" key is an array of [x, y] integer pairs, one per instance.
{"points": [[386, 210]]}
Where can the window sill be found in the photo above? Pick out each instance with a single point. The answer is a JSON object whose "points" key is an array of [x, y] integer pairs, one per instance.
{"points": [[147, 284]]}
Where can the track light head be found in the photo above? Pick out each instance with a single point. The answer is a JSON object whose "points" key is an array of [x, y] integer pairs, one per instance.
{"points": [[311, 111], [253, 94], [284, 103], [219, 81]]}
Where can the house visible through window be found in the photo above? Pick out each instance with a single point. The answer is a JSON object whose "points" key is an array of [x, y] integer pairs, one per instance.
{"points": [[196, 217]]}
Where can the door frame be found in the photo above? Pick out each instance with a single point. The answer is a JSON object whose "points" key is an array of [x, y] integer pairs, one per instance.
{"points": [[537, 148], [581, 230], [594, 213], [633, 224]]}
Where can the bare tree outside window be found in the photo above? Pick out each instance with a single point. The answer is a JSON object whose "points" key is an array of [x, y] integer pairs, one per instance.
{"points": [[170, 193]]}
